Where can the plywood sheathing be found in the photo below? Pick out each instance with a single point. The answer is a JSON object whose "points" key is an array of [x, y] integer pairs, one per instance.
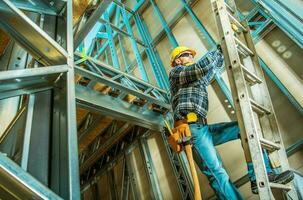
{"points": [[4, 40], [79, 6]]}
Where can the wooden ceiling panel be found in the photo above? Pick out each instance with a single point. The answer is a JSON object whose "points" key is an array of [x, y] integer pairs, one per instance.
{"points": [[4, 40], [79, 6]]}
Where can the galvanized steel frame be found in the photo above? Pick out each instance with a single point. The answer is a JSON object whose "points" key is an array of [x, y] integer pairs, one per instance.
{"points": [[57, 78]]}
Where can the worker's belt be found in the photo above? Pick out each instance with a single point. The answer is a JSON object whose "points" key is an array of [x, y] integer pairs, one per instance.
{"points": [[192, 118]]}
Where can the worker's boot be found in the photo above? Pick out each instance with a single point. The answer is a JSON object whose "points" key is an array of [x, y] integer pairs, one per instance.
{"points": [[282, 178]]}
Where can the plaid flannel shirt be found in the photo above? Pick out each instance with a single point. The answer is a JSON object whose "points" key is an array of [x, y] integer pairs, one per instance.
{"points": [[188, 85]]}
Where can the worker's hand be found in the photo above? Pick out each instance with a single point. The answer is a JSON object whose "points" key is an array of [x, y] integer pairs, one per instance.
{"points": [[219, 48], [175, 140]]}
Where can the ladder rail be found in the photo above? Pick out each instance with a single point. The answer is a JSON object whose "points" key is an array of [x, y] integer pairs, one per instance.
{"points": [[245, 114], [276, 133], [257, 120]]}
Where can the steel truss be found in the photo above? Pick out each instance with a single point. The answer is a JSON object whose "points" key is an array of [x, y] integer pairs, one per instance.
{"points": [[258, 20], [42, 138], [102, 87]]}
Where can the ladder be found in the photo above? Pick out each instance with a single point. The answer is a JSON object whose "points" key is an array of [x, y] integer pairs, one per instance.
{"points": [[257, 121]]}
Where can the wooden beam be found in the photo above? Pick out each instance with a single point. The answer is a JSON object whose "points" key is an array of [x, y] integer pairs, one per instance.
{"points": [[81, 115]]}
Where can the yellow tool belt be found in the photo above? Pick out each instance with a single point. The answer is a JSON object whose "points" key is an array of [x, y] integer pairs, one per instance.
{"points": [[190, 119], [181, 136]]}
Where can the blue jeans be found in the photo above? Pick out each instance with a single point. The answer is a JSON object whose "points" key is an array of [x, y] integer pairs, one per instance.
{"points": [[205, 138]]}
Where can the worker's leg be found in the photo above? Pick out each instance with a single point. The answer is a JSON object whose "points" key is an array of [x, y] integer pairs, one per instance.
{"points": [[225, 132], [210, 164]]}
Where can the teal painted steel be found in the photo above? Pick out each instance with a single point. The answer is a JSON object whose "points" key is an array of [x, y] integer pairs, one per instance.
{"points": [[169, 33], [111, 41], [155, 62], [210, 40], [134, 46], [288, 15]]}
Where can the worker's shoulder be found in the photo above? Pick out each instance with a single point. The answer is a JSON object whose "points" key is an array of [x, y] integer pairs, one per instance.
{"points": [[175, 72], [177, 69]]}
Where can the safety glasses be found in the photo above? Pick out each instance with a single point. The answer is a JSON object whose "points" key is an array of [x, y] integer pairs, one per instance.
{"points": [[185, 55]]}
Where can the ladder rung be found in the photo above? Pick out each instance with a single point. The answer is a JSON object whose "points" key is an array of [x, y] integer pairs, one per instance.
{"points": [[243, 46], [251, 77], [269, 145], [237, 22], [258, 108], [229, 8], [280, 186]]}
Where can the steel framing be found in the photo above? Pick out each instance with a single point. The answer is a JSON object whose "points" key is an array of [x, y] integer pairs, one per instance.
{"points": [[42, 87], [146, 110], [257, 35], [218, 78]]}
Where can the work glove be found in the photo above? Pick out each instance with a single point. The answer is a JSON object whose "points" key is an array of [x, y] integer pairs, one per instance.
{"points": [[219, 48], [181, 136]]}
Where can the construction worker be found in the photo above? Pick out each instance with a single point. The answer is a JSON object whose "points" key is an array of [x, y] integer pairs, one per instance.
{"points": [[189, 98]]}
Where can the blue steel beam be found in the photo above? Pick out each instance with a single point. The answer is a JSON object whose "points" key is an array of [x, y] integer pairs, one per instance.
{"points": [[89, 39], [118, 30], [210, 40], [156, 54], [169, 33], [90, 23], [111, 41], [101, 35], [287, 15], [156, 63], [258, 28], [136, 8], [124, 57], [134, 46], [122, 49]]}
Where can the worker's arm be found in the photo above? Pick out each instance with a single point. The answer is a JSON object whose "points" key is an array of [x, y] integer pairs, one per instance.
{"points": [[185, 75], [217, 60]]}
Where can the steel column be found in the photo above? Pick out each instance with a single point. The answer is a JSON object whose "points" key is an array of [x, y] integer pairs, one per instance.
{"points": [[156, 63], [134, 45], [169, 33], [150, 169], [72, 138], [111, 42], [205, 33], [27, 132]]}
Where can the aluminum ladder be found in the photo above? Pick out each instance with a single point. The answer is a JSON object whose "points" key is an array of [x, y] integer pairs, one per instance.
{"points": [[257, 120]]}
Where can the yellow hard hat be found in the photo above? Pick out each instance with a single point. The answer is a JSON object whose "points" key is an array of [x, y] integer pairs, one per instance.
{"points": [[177, 51]]}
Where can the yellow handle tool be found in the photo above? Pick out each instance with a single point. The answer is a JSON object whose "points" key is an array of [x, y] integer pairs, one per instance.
{"points": [[189, 155]]}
